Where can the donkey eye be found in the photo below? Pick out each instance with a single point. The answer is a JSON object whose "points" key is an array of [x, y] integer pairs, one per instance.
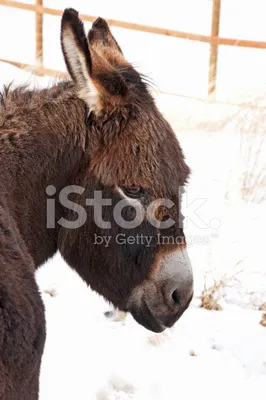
{"points": [[132, 191]]}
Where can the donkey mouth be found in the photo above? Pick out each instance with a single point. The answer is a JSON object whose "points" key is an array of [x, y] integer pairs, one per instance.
{"points": [[160, 301], [145, 318]]}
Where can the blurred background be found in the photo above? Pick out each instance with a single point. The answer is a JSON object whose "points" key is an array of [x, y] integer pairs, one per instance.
{"points": [[177, 66]]}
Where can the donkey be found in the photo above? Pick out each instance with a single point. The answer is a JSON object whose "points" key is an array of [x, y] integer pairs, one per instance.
{"points": [[101, 133]]}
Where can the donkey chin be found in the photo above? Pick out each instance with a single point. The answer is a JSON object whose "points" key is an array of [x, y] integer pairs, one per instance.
{"points": [[159, 301]]}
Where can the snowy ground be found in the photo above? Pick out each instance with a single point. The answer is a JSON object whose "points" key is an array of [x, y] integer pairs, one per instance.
{"points": [[208, 354]]}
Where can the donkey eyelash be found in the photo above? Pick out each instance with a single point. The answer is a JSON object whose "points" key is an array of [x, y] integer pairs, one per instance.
{"points": [[134, 192]]}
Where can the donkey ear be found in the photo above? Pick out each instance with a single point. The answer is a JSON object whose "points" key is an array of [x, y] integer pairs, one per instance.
{"points": [[100, 34], [101, 39], [97, 82], [75, 48]]}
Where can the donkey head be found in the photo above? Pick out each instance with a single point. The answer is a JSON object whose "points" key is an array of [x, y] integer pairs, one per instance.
{"points": [[131, 249]]}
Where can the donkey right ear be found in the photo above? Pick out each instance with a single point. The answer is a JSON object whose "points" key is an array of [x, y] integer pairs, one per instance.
{"points": [[97, 82]]}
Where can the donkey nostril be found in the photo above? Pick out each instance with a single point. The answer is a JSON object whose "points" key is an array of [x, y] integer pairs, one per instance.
{"points": [[175, 297]]}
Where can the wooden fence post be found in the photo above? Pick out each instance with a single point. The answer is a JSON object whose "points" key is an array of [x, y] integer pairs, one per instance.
{"points": [[39, 35], [216, 12]]}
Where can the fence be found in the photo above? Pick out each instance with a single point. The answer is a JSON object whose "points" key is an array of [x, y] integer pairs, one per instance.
{"points": [[214, 39]]}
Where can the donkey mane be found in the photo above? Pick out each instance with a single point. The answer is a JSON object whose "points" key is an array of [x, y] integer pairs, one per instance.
{"points": [[32, 95], [26, 102], [23, 100]]}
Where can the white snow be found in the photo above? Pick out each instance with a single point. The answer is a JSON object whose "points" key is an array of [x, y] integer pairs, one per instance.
{"points": [[208, 354]]}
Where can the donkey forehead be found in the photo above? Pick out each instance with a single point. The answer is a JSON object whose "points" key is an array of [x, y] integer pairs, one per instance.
{"points": [[142, 149]]}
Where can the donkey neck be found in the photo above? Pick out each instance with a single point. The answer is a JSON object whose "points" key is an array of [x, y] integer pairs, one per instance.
{"points": [[42, 142]]}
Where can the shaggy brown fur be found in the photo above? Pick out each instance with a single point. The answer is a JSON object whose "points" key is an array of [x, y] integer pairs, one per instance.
{"points": [[62, 136]]}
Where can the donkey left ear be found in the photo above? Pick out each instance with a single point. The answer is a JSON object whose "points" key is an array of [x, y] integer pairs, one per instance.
{"points": [[100, 34], [101, 39], [98, 83]]}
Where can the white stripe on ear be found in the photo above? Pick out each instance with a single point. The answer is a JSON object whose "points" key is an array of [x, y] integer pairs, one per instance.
{"points": [[77, 57], [86, 89]]}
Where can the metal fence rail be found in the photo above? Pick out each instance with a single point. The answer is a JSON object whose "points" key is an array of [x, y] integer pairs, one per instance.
{"points": [[214, 39]]}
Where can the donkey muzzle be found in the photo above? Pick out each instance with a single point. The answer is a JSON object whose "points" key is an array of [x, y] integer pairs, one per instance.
{"points": [[161, 300]]}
